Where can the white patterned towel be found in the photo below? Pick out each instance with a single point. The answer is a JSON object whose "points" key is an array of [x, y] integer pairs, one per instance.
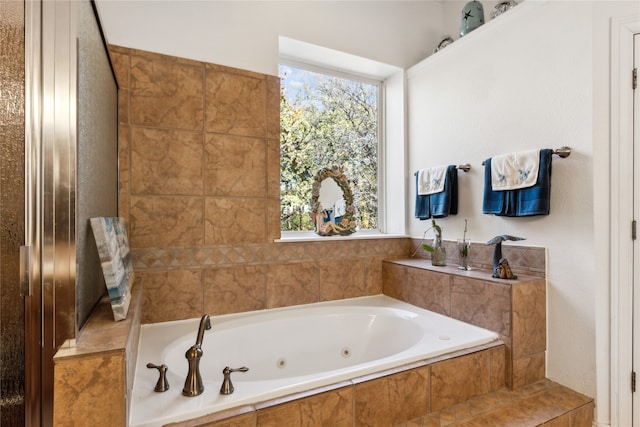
{"points": [[515, 170], [431, 180]]}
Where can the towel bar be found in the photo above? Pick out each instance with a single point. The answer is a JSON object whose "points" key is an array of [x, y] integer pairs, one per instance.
{"points": [[562, 152], [465, 167]]}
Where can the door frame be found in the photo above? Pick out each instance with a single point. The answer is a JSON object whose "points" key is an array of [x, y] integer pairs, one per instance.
{"points": [[621, 245]]}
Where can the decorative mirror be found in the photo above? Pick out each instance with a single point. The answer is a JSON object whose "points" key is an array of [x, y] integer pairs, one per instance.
{"points": [[332, 209]]}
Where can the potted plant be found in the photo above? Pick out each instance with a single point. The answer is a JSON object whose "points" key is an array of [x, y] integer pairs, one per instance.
{"points": [[438, 252]]}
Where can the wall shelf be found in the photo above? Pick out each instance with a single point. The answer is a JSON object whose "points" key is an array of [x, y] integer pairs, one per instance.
{"points": [[477, 34]]}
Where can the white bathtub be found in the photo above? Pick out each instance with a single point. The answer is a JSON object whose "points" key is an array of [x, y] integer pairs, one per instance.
{"points": [[288, 350]]}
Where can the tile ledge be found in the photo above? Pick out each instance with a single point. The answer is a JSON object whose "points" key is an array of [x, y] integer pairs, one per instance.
{"points": [[475, 273], [102, 334]]}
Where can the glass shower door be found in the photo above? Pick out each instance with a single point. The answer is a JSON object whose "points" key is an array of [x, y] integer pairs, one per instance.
{"points": [[12, 312]]}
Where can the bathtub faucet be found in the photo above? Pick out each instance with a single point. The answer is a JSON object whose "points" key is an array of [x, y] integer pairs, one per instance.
{"points": [[193, 384]]}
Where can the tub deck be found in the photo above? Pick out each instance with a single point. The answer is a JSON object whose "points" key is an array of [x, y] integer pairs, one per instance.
{"points": [[382, 401], [345, 343]]}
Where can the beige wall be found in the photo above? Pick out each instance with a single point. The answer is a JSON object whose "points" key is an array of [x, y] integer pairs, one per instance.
{"points": [[199, 189], [527, 81]]}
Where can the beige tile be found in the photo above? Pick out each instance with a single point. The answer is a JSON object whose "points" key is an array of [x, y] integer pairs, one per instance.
{"points": [[333, 408], [166, 161], [528, 369], [393, 399], [124, 170], [497, 366], [343, 278], [124, 106], [172, 295], [235, 166], [273, 220], [120, 61], [245, 420], [526, 260], [529, 318], [287, 414], [430, 290], [273, 108], [153, 56], [582, 416], [561, 421], [541, 407], [394, 279], [234, 289], [236, 71], [166, 221], [565, 398], [230, 221], [166, 93], [485, 304], [236, 104], [273, 169], [456, 380], [373, 275], [292, 284], [124, 204], [81, 382]]}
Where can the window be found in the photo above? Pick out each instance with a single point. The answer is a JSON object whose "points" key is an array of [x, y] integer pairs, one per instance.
{"points": [[328, 120]]}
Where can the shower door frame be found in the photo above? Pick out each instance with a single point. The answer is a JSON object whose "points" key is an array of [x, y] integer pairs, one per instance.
{"points": [[50, 146], [31, 289]]}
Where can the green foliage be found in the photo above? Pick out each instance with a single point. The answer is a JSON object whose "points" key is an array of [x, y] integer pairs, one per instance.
{"points": [[438, 231], [333, 122]]}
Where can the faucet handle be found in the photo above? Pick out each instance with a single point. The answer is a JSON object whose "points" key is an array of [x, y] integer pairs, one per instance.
{"points": [[162, 384], [227, 386]]}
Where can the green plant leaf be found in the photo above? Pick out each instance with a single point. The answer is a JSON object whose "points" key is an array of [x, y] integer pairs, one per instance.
{"points": [[427, 247], [436, 227]]}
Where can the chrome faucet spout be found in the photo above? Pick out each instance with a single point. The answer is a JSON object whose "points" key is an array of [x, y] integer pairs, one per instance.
{"points": [[205, 324]]}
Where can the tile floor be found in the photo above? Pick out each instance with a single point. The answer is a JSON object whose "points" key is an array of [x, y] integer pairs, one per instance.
{"points": [[543, 403]]}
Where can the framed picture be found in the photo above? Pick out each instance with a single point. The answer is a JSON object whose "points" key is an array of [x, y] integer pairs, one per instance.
{"points": [[115, 258]]}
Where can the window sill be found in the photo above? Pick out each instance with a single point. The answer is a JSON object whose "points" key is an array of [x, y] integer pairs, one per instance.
{"points": [[310, 236]]}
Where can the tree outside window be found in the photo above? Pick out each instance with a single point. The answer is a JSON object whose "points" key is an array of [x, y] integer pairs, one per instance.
{"points": [[327, 121]]}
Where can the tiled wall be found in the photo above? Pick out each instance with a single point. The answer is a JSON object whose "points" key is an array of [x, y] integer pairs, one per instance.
{"points": [[199, 190]]}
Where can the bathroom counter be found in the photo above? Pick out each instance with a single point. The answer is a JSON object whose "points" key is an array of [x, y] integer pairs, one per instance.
{"points": [[452, 269]]}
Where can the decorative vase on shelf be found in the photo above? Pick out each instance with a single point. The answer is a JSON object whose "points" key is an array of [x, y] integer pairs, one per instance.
{"points": [[464, 250], [472, 17], [439, 254], [442, 43], [502, 7]]}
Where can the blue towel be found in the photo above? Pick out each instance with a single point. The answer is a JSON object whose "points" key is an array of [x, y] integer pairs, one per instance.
{"points": [[439, 205], [534, 200]]}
